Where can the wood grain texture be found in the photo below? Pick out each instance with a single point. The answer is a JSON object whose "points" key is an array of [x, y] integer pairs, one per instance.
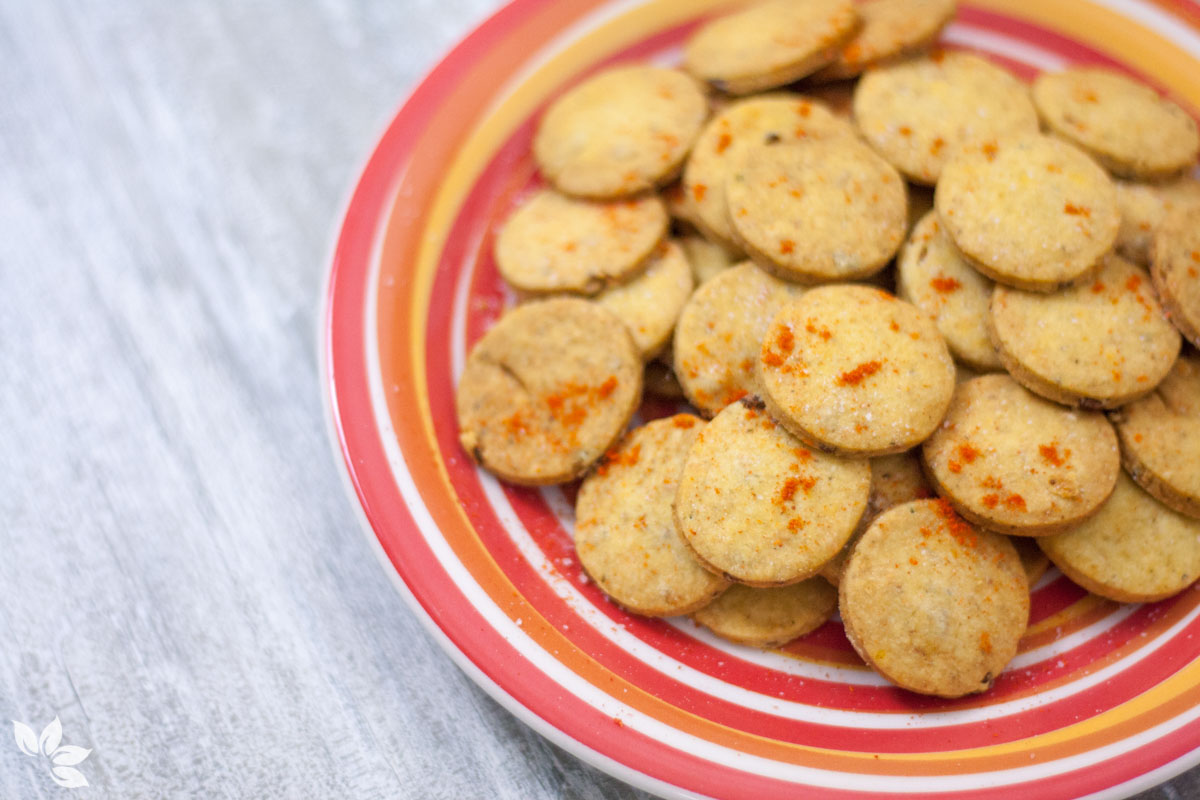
{"points": [[184, 581]]}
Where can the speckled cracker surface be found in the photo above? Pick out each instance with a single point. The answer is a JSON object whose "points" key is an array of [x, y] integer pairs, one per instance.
{"points": [[931, 603], [623, 131], [769, 617], [1176, 270], [759, 507], [1144, 207], [854, 370], [547, 391], [891, 29], [1031, 212], [1014, 462], [916, 113], [769, 44], [817, 211], [752, 122], [1160, 438], [1098, 345], [932, 275], [1125, 125], [719, 332], [624, 531], [649, 304], [1133, 550], [555, 243]]}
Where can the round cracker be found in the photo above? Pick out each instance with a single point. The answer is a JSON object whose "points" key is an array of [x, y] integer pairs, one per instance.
{"points": [[760, 508], [1013, 462], [855, 371], [1176, 269], [624, 530], [1144, 207], [1033, 560], [1030, 212], [916, 113], [769, 617], [774, 118], [932, 275], [817, 211], [891, 29], [1123, 124], [769, 44], [707, 259], [1098, 345], [1134, 550], [931, 603], [547, 391], [650, 303], [1160, 438], [719, 333], [621, 132], [555, 243]]}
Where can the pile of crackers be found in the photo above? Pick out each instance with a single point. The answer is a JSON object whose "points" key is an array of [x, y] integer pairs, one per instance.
{"points": [[932, 323]]}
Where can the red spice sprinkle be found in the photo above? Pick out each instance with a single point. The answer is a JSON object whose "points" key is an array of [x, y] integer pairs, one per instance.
{"points": [[617, 458], [608, 386], [787, 246], [795, 524], [1051, 454], [937, 146], [954, 466], [569, 247], [790, 486], [824, 333], [905, 130], [925, 532], [990, 151], [991, 500], [1097, 287], [946, 285], [698, 192], [785, 340], [985, 642], [856, 375], [1077, 211], [723, 142], [895, 326], [772, 359], [912, 561], [683, 421], [733, 395], [963, 533], [802, 453], [805, 109], [967, 452], [1015, 502], [1137, 437], [1134, 283]]}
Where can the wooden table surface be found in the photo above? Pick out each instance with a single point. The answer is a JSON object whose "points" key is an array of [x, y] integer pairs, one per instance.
{"points": [[184, 582]]}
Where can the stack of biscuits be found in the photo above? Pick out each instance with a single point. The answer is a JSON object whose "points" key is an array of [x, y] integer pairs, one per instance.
{"points": [[931, 324]]}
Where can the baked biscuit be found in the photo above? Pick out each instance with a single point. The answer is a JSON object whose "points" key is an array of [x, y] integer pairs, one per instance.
{"points": [[547, 391], [1015, 463], [555, 243], [932, 275], [650, 303], [1033, 560], [1160, 438], [1144, 207], [719, 332], [855, 371], [891, 29], [624, 532], [770, 44], [758, 507], [1123, 124], [1176, 270], [755, 121], [621, 132], [1134, 550], [1031, 212], [769, 617], [895, 479], [1097, 345], [817, 211], [931, 603], [706, 258], [916, 113]]}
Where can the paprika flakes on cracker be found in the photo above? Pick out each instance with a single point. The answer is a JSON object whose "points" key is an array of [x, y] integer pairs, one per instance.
{"points": [[624, 531], [760, 508], [1013, 462], [547, 391]]}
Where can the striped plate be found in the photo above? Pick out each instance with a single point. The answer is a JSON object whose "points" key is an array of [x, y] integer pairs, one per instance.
{"points": [[1102, 700]]}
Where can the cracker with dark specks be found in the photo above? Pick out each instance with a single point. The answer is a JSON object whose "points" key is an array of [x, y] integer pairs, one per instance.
{"points": [[769, 617]]}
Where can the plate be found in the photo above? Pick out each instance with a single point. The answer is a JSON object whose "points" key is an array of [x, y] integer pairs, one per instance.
{"points": [[1103, 699]]}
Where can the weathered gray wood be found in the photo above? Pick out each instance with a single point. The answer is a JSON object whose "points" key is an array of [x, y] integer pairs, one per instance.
{"points": [[184, 582]]}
